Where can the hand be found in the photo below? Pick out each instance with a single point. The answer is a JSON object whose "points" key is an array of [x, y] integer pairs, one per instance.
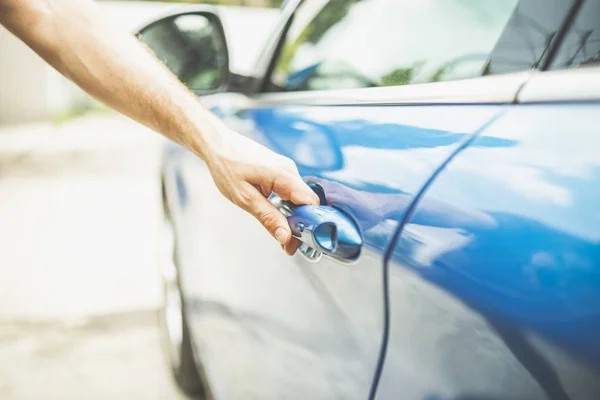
{"points": [[246, 173]]}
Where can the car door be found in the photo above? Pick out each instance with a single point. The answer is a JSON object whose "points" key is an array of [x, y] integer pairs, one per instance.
{"points": [[495, 280], [269, 326]]}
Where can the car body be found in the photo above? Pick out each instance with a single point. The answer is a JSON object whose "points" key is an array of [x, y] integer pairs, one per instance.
{"points": [[471, 183]]}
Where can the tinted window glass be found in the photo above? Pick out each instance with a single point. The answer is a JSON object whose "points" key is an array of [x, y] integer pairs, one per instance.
{"points": [[341, 44], [581, 45], [528, 35]]}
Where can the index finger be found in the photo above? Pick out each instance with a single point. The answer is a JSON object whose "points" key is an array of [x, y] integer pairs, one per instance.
{"points": [[293, 188]]}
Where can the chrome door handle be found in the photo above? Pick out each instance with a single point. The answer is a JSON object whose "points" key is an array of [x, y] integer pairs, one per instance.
{"points": [[323, 230]]}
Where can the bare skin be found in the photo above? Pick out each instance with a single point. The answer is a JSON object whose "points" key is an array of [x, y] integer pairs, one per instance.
{"points": [[115, 68]]}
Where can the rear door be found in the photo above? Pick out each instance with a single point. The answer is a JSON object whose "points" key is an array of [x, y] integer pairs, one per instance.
{"points": [[495, 280], [268, 326]]}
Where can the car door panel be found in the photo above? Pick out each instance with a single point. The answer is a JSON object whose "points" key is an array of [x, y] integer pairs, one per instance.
{"points": [[495, 280], [268, 326]]}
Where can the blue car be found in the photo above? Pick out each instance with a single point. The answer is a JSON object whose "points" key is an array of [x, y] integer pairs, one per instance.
{"points": [[455, 147]]}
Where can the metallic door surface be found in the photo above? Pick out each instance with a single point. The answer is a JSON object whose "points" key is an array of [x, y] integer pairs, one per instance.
{"points": [[268, 326], [495, 280]]}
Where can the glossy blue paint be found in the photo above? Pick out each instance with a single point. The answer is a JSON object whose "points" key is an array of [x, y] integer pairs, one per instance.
{"points": [[370, 162], [495, 281]]}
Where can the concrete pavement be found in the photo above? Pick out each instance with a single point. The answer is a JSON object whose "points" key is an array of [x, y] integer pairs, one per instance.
{"points": [[79, 206], [79, 286], [99, 358]]}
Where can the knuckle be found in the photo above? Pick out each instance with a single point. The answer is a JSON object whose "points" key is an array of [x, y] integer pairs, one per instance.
{"points": [[266, 188], [268, 218], [281, 184], [243, 198]]}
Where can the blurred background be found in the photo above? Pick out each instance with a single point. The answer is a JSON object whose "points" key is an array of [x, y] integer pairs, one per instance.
{"points": [[80, 225]]}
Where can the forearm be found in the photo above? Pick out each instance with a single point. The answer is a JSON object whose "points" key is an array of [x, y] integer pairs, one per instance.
{"points": [[112, 66]]}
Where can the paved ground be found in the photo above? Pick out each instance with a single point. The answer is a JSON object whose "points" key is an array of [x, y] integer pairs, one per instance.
{"points": [[79, 287], [110, 357], [79, 212]]}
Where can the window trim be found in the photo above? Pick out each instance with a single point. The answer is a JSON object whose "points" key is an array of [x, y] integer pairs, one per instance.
{"points": [[582, 84], [493, 89], [265, 62]]}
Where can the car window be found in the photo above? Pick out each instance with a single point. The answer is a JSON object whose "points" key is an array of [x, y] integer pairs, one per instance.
{"points": [[581, 44], [340, 44], [529, 34]]}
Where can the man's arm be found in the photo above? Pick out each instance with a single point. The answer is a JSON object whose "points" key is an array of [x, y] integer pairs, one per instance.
{"points": [[115, 68]]}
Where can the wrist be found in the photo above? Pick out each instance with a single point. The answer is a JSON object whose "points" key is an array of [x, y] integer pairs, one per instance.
{"points": [[208, 137]]}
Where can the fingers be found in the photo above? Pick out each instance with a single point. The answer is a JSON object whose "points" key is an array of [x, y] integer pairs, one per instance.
{"points": [[291, 246], [293, 188], [281, 176], [285, 181], [252, 201]]}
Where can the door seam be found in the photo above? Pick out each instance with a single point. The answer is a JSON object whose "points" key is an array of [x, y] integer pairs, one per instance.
{"points": [[392, 245]]}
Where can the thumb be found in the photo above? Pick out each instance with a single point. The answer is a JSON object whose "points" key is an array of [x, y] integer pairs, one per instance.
{"points": [[268, 215]]}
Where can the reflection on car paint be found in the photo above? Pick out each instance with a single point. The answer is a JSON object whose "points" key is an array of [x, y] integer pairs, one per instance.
{"points": [[513, 233], [373, 164], [334, 310]]}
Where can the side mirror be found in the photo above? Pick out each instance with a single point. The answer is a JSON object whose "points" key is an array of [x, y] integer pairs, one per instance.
{"points": [[192, 45]]}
